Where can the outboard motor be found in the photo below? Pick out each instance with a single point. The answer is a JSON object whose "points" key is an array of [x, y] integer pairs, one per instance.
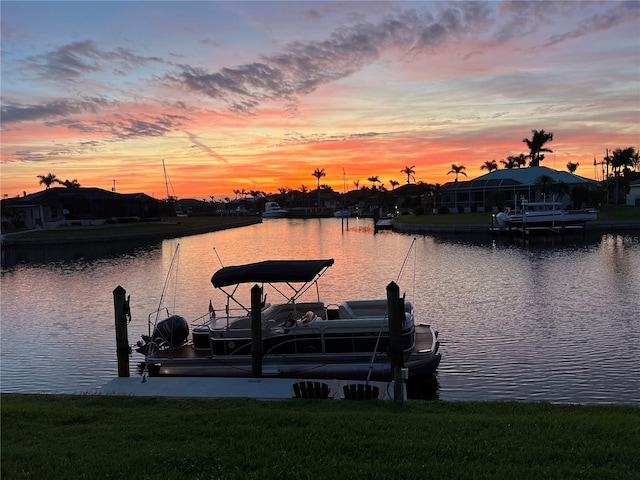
{"points": [[501, 218], [172, 332]]}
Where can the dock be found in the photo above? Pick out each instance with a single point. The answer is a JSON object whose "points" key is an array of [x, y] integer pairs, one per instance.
{"points": [[255, 388]]}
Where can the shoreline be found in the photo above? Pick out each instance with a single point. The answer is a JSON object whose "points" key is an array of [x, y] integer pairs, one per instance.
{"points": [[597, 226], [78, 236]]}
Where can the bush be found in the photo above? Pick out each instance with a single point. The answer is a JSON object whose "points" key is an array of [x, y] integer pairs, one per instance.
{"points": [[419, 210], [443, 209]]}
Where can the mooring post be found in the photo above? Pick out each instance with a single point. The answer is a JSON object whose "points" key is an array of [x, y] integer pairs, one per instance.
{"points": [[256, 331], [395, 310], [121, 308]]}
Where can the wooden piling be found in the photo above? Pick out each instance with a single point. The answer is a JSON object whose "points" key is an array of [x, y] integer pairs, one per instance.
{"points": [[122, 315], [256, 331], [395, 310]]}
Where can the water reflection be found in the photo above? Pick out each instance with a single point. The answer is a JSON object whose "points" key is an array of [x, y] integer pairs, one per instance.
{"points": [[532, 321]]}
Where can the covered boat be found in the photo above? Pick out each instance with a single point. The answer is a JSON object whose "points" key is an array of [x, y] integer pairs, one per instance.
{"points": [[544, 214], [300, 339], [274, 210]]}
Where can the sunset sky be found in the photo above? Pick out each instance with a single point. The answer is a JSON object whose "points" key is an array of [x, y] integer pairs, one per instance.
{"points": [[257, 95]]}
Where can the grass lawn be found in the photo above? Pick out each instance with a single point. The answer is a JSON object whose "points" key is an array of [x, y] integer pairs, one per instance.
{"points": [[92, 437], [168, 227]]}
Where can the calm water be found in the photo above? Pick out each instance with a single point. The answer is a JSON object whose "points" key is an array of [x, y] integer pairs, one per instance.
{"points": [[549, 322]]}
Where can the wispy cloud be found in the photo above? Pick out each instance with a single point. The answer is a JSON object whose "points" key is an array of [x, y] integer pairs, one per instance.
{"points": [[78, 58], [13, 113]]}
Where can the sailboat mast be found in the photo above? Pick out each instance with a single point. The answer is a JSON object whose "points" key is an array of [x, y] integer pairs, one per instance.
{"points": [[166, 181]]}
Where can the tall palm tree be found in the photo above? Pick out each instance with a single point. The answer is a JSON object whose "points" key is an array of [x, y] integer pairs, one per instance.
{"points": [[409, 171], [48, 180], [489, 165], [319, 173], [457, 170], [536, 146]]}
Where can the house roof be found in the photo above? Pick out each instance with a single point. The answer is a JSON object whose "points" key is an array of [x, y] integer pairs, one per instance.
{"points": [[90, 193], [508, 177]]}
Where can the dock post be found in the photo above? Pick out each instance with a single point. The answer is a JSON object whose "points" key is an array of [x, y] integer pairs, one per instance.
{"points": [[256, 331], [395, 310], [122, 317]]}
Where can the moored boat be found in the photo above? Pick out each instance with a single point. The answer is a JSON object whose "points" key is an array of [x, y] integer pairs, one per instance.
{"points": [[544, 214], [274, 210], [300, 339]]}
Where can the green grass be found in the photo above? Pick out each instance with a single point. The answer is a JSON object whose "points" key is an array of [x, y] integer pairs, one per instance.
{"points": [[167, 227], [93, 437]]}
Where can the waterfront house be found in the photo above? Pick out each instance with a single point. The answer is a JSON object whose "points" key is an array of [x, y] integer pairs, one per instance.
{"points": [[506, 187]]}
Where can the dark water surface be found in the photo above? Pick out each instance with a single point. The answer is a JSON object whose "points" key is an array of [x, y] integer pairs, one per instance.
{"points": [[546, 321]]}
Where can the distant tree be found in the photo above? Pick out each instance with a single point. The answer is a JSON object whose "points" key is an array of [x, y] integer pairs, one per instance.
{"points": [[457, 170], [319, 173], [237, 192], [521, 160], [489, 165], [409, 171], [622, 160], [509, 163], [304, 188], [545, 184], [536, 146], [394, 184], [70, 183], [48, 180], [373, 181], [572, 167], [357, 184], [560, 189]]}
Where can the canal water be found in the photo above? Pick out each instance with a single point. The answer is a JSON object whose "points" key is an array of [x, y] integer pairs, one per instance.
{"points": [[544, 321]]}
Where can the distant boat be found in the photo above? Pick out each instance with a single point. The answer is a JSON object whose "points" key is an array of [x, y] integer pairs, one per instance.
{"points": [[385, 223], [274, 210], [544, 214], [342, 213]]}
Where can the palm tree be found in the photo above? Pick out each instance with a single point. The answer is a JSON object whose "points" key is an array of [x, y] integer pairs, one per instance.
{"points": [[622, 160], [394, 184], [509, 163], [490, 165], [357, 184], [572, 167], [48, 180], [545, 184], [536, 146], [304, 188], [457, 170], [373, 180], [319, 173], [70, 183], [409, 171]]}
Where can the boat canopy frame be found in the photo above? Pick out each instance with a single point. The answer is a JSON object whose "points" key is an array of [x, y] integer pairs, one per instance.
{"points": [[272, 272]]}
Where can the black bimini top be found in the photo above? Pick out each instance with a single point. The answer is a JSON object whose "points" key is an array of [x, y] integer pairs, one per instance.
{"points": [[271, 271]]}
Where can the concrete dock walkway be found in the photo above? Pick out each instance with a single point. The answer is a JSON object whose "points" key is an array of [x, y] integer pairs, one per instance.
{"points": [[256, 388]]}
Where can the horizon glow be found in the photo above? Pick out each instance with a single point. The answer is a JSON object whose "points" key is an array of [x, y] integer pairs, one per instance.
{"points": [[257, 95]]}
